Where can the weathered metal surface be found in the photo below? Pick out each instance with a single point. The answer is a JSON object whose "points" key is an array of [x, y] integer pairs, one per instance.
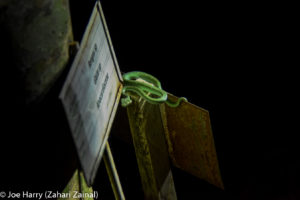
{"points": [[190, 141], [151, 150]]}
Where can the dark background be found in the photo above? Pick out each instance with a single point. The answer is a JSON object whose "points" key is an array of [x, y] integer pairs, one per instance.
{"points": [[233, 60], [229, 58]]}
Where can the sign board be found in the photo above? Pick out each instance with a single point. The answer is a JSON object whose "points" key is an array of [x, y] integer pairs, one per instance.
{"points": [[190, 141], [91, 93]]}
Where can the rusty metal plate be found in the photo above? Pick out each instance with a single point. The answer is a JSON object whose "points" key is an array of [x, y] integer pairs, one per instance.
{"points": [[190, 141]]}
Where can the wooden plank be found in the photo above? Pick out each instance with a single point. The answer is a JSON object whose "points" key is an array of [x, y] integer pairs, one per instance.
{"points": [[151, 150], [190, 141]]}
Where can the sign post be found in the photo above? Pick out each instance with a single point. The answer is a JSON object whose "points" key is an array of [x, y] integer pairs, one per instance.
{"points": [[91, 94], [90, 97], [151, 151]]}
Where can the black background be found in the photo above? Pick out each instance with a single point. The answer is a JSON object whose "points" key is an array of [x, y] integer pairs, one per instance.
{"points": [[232, 59]]}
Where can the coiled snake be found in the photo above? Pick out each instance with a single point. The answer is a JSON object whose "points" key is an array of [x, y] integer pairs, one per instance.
{"points": [[146, 86]]}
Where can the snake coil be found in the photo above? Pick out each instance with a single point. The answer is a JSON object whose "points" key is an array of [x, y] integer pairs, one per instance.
{"points": [[146, 86]]}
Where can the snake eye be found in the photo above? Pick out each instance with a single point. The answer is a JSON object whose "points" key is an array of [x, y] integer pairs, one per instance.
{"points": [[133, 78]]}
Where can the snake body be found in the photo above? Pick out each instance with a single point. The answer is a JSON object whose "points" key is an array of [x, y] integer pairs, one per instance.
{"points": [[146, 86]]}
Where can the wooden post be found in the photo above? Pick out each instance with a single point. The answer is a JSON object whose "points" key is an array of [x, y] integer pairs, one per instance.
{"points": [[113, 174], [76, 186], [151, 150]]}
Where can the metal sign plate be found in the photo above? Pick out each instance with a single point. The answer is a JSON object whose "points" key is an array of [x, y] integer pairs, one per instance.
{"points": [[190, 141], [91, 93]]}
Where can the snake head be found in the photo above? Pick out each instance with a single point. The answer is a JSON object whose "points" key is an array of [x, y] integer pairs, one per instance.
{"points": [[126, 101]]}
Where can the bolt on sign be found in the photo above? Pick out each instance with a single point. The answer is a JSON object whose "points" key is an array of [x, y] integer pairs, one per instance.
{"points": [[91, 93]]}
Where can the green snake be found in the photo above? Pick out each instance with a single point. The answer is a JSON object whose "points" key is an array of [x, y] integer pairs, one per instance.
{"points": [[146, 86]]}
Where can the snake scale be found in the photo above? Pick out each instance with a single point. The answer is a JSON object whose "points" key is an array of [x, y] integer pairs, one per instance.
{"points": [[146, 86]]}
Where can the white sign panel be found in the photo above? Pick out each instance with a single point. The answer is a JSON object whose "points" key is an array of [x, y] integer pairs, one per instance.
{"points": [[91, 94]]}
